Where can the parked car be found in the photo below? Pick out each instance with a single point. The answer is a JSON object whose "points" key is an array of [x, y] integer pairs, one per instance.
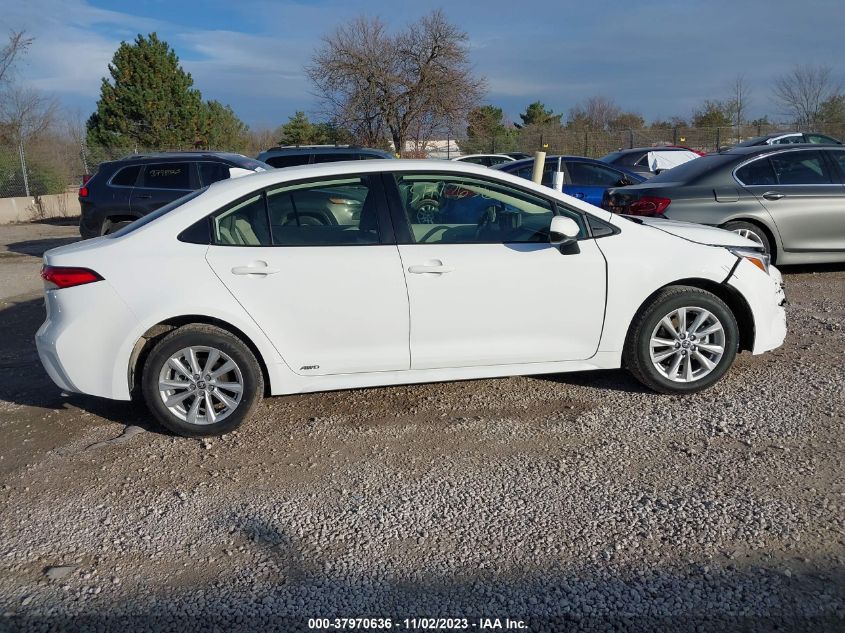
{"points": [[235, 300], [788, 199], [790, 138], [488, 160], [517, 155], [584, 178], [294, 155], [124, 190], [649, 161]]}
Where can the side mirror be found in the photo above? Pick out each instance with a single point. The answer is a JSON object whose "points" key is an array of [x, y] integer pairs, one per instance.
{"points": [[564, 232]]}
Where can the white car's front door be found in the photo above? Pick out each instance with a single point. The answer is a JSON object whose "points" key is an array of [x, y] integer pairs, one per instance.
{"points": [[307, 263], [485, 286]]}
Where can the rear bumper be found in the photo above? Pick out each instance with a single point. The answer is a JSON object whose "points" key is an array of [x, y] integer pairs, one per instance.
{"points": [[78, 344]]}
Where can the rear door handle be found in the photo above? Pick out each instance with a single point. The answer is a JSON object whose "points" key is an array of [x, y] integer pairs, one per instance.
{"points": [[255, 268], [774, 195], [144, 196], [579, 195], [437, 269]]}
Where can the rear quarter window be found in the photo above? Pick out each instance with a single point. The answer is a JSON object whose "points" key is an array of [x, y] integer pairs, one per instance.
{"points": [[126, 177]]}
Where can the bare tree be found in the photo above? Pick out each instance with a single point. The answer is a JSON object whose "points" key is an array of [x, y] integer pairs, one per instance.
{"points": [[802, 90], [596, 113], [739, 100], [377, 84], [26, 114], [17, 45]]}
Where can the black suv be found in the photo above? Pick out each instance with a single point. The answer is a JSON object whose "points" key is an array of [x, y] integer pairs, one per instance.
{"points": [[124, 190], [293, 155]]}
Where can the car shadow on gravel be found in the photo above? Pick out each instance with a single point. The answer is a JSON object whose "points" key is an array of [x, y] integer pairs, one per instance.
{"points": [[604, 379], [23, 380], [37, 248], [702, 599]]}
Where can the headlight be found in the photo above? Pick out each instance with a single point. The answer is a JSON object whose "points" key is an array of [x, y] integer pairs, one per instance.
{"points": [[758, 258]]}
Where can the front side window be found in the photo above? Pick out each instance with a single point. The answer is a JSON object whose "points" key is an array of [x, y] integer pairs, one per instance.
{"points": [[787, 140], [167, 176], [800, 168], [839, 157], [447, 209]]}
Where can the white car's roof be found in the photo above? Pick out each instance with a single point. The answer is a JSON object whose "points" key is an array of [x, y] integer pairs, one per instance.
{"points": [[465, 156]]}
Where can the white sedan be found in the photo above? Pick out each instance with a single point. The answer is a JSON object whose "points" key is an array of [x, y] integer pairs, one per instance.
{"points": [[329, 277]]}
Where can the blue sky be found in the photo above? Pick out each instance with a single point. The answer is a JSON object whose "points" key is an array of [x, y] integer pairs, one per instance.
{"points": [[657, 57]]}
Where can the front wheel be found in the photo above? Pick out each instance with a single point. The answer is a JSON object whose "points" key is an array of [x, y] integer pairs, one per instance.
{"points": [[201, 380], [682, 341]]}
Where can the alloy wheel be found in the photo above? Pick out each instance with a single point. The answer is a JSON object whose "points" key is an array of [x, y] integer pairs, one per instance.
{"points": [[687, 344], [200, 385]]}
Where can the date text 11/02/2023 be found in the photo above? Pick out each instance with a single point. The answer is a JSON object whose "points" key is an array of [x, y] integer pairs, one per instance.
{"points": [[415, 624]]}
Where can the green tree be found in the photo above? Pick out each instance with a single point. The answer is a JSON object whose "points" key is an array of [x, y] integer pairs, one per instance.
{"points": [[832, 115], [149, 102], [712, 114], [487, 132], [222, 129], [537, 114], [300, 131]]}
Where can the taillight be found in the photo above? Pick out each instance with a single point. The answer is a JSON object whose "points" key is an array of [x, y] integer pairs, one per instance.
{"points": [[649, 206], [86, 178], [83, 191], [67, 277]]}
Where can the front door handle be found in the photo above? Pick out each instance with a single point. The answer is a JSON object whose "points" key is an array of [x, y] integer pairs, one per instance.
{"points": [[144, 196], [255, 268], [579, 195], [434, 266], [774, 195]]}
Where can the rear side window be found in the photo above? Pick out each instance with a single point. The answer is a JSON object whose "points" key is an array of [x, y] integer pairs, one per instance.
{"points": [[167, 176], [758, 172], [593, 175], [291, 160], [800, 168], [126, 177], [333, 157], [212, 172], [244, 224]]}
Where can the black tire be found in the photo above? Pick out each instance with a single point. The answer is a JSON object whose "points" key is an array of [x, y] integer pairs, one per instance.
{"points": [[636, 356], [113, 227], [202, 335], [757, 234]]}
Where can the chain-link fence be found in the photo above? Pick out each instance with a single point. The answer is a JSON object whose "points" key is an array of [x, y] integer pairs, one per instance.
{"points": [[57, 165], [598, 143]]}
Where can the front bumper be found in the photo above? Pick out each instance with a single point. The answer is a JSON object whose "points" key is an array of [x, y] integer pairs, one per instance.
{"points": [[766, 297]]}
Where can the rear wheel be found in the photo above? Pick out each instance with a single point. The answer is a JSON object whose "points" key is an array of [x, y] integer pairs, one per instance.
{"points": [[752, 232], [682, 341], [201, 380]]}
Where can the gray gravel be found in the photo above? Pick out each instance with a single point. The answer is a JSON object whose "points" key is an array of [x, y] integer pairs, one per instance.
{"points": [[573, 502]]}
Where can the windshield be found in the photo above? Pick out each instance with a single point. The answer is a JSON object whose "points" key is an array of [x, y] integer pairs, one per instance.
{"points": [[689, 171], [757, 140], [137, 224]]}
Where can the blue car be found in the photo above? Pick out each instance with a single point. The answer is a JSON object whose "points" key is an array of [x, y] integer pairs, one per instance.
{"points": [[584, 178]]}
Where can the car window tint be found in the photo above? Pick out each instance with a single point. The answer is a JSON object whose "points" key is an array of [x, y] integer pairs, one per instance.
{"points": [[475, 160], [336, 212], [593, 175], [167, 176], [497, 160], [212, 172], [447, 209], [800, 168], [291, 160], [333, 157], [243, 224], [758, 172], [126, 177]]}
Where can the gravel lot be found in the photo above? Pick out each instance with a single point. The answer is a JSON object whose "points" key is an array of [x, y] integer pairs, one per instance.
{"points": [[573, 502]]}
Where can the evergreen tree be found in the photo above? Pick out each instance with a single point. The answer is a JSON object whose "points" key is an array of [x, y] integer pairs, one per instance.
{"points": [[536, 114], [149, 102], [222, 129]]}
